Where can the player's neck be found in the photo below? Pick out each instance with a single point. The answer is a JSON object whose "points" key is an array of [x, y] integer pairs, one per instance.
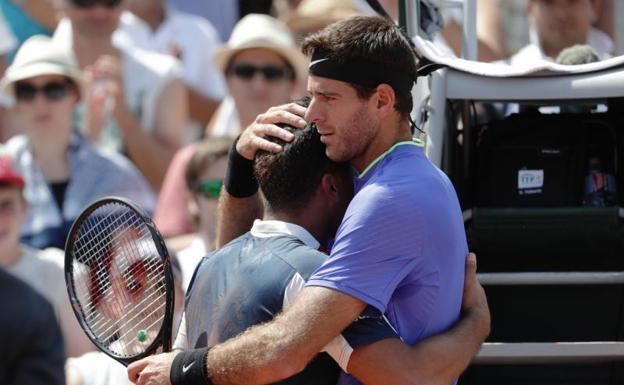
{"points": [[308, 222], [389, 135]]}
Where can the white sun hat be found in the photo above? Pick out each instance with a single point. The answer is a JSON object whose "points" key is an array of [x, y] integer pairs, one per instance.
{"points": [[38, 56], [262, 31]]}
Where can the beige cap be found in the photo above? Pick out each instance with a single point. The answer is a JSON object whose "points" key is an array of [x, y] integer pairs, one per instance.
{"points": [[38, 56], [262, 31]]}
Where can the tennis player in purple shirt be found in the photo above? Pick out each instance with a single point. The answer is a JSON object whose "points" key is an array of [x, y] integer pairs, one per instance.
{"points": [[400, 251], [401, 247]]}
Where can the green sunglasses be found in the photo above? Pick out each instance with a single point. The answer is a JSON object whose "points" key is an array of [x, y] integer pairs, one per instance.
{"points": [[209, 188]]}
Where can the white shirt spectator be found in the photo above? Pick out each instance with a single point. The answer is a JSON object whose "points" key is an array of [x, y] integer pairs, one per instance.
{"points": [[601, 42], [43, 271], [97, 368], [225, 121], [598, 40], [145, 74], [189, 258], [193, 37]]}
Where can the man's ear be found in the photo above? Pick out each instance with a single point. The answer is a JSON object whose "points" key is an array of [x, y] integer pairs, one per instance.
{"points": [[385, 100], [329, 187]]}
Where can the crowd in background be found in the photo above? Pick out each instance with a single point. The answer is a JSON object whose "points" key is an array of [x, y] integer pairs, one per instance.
{"points": [[143, 98]]}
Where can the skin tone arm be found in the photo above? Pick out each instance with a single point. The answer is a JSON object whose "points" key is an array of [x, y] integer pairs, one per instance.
{"points": [[153, 153], [436, 360], [42, 11], [201, 108], [236, 215], [490, 43], [272, 352], [281, 348]]}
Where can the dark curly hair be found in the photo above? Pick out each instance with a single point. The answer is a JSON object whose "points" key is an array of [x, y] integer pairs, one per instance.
{"points": [[371, 38], [289, 178]]}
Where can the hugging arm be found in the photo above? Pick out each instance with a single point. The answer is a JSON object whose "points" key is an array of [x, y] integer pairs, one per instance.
{"points": [[438, 359], [281, 348]]}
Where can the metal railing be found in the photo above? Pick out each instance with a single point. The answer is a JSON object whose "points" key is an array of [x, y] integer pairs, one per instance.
{"points": [[469, 27], [550, 352], [499, 353]]}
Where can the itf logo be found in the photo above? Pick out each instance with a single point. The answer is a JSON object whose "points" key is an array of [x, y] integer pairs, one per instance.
{"points": [[530, 181]]}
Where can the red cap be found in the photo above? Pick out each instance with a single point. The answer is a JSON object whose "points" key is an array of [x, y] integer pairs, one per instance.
{"points": [[8, 173]]}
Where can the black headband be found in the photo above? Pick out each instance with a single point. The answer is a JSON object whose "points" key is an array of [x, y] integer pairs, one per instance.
{"points": [[361, 72]]}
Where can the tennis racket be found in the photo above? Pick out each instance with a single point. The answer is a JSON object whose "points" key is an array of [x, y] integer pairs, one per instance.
{"points": [[119, 280]]}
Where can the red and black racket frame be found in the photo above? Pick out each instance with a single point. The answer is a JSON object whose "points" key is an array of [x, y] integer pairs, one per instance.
{"points": [[164, 337]]}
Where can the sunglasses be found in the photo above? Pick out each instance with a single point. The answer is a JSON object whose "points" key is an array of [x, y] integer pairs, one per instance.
{"points": [[91, 3], [270, 72], [26, 92], [209, 188]]}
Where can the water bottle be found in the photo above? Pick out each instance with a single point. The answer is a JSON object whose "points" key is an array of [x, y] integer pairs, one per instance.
{"points": [[600, 186]]}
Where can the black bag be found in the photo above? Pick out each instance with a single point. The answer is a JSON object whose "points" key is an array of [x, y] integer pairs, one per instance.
{"points": [[535, 160]]}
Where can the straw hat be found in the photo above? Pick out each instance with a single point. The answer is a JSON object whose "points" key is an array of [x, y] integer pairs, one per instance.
{"points": [[38, 56], [313, 15], [262, 31]]}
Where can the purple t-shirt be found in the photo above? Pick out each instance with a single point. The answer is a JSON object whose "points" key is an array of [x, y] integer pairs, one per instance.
{"points": [[401, 247]]}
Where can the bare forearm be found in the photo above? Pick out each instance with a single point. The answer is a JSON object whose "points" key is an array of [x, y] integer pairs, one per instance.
{"points": [[437, 360], [280, 349], [441, 359], [262, 355], [452, 35], [42, 11], [490, 32], [235, 216], [201, 108], [150, 155]]}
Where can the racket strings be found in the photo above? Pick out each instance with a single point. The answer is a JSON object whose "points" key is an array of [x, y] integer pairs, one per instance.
{"points": [[107, 330], [119, 279], [100, 321], [153, 273], [98, 254], [112, 328]]}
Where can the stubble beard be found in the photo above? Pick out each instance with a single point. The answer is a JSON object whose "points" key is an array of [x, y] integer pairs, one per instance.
{"points": [[360, 130]]}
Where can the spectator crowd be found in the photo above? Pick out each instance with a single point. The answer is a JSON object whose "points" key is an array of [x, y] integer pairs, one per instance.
{"points": [[142, 99]]}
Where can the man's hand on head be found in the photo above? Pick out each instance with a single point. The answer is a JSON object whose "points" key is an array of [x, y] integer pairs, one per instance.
{"points": [[474, 302], [152, 370], [254, 136]]}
